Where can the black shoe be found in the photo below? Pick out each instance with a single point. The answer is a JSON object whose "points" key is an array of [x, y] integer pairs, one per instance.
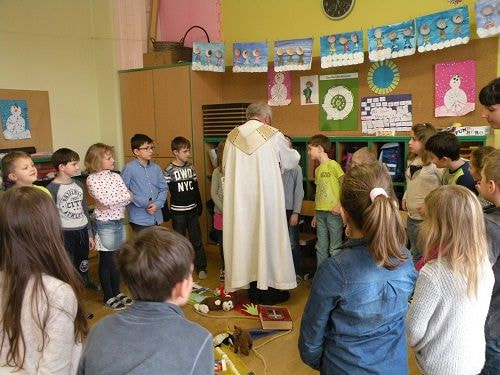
{"points": [[90, 285], [274, 296]]}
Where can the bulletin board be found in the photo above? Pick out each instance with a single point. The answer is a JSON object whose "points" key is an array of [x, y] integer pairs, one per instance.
{"points": [[39, 119], [416, 78]]}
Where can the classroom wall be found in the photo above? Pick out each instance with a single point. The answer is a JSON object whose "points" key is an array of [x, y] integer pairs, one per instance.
{"points": [[66, 48]]}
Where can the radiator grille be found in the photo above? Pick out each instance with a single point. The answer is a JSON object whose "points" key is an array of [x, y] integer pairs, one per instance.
{"points": [[220, 119]]}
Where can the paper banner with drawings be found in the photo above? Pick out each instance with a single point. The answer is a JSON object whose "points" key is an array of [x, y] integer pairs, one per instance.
{"points": [[250, 57], [15, 120], [279, 88], [487, 17], [455, 88], [443, 29], [208, 57], [390, 112], [339, 101], [342, 49], [391, 41], [293, 54], [309, 90]]}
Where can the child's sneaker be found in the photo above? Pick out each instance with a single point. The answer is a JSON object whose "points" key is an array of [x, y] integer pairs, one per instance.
{"points": [[202, 275], [123, 298], [114, 303], [222, 275]]}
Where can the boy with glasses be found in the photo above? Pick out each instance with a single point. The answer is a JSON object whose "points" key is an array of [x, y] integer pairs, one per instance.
{"points": [[144, 178]]}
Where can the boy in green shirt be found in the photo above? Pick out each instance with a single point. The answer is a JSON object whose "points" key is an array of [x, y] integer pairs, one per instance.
{"points": [[328, 223]]}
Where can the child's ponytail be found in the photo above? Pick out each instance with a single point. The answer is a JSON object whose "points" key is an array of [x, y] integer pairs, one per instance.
{"points": [[368, 198]]}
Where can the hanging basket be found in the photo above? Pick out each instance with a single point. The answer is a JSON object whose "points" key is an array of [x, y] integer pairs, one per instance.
{"points": [[177, 46]]}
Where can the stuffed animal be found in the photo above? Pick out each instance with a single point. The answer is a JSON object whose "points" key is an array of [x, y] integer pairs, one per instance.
{"points": [[242, 341], [225, 303]]}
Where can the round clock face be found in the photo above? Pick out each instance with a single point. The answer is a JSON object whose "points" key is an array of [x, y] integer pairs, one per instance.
{"points": [[337, 9]]}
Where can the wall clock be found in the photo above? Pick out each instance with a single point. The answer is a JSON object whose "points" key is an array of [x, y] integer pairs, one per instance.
{"points": [[337, 9]]}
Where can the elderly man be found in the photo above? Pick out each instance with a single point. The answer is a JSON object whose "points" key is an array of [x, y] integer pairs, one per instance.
{"points": [[256, 243]]}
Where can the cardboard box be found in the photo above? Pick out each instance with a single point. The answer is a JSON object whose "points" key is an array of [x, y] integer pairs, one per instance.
{"points": [[166, 57]]}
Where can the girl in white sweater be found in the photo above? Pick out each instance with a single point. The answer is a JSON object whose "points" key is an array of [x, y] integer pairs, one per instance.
{"points": [[445, 322], [42, 318]]}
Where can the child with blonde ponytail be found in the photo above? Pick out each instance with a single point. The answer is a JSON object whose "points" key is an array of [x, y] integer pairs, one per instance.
{"points": [[354, 319], [445, 322]]}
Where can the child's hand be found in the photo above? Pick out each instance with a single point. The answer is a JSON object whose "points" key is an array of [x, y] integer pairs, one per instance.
{"points": [[421, 210], [313, 222], [131, 194], [91, 243], [405, 205], [151, 209], [294, 219], [336, 210]]}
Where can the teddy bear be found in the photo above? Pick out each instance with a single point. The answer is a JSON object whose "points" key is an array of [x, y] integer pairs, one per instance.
{"points": [[242, 341], [225, 303]]}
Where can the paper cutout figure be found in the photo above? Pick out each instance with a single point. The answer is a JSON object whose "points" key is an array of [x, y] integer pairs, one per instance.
{"points": [[391, 112], [295, 54], [309, 90], [279, 88], [443, 29], [348, 50], [15, 122], [391, 41], [487, 18], [250, 57], [339, 101], [208, 57], [455, 90], [383, 77]]}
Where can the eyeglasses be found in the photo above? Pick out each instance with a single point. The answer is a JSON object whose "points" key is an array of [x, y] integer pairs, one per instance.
{"points": [[149, 148]]}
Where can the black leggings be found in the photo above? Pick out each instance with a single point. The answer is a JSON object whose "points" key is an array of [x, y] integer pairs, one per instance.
{"points": [[108, 274]]}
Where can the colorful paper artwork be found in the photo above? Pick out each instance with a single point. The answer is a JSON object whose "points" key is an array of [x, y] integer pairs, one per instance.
{"points": [[250, 57], [342, 49], [279, 88], [383, 77], [294, 54], [443, 29], [15, 120], [208, 57], [455, 90], [487, 17], [386, 113], [339, 101], [309, 90], [391, 41]]}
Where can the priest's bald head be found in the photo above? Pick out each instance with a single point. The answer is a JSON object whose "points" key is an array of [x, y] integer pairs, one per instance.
{"points": [[259, 111]]}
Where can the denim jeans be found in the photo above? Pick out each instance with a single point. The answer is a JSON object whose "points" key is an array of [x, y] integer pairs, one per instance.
{"points": [[293, 233], [412, 231], [492, 364], [111, 233], [329, 228], [190, 221]]}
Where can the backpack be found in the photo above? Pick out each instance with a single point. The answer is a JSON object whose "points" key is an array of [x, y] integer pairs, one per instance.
{"points": [[391, 156]]}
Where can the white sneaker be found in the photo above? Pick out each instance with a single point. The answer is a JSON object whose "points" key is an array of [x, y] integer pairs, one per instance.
{"points": [[202, 275]]}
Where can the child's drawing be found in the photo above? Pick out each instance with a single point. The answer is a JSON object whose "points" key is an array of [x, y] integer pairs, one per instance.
{"points": [[386, 42], [309, 90], [487, 18], [250, 57], [342, 49], [208, 57], [15, 122], [294, 54], [279, 88], [455, 90]]}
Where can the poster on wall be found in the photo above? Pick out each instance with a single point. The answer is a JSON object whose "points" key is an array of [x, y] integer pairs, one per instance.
{"points": [[443, 29], [342, 49], [339, 101], [293, 54], [309, 90], [487, 17], [279, 88], [208, 57], [455, 88], [383, 77], [386, 113], [391, 41], [15, 121], [250, 57]]}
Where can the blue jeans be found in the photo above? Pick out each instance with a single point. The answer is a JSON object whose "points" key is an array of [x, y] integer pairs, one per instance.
{"points": [[329, 228], [293, 232], [111, 233], [412, 231], [492, 364]]}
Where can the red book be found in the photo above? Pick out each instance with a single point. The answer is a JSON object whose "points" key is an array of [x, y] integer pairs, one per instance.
{"points": [[274, 317]]}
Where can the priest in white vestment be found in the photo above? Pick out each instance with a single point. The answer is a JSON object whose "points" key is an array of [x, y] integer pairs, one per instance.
{"points": [[256, 242]]}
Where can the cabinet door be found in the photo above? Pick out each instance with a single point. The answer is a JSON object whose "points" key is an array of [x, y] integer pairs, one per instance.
{"points": [[172, 100], [136, 90]]}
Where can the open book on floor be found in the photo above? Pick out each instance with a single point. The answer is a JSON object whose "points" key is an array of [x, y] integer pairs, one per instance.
{"points": [[275, 317]]}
